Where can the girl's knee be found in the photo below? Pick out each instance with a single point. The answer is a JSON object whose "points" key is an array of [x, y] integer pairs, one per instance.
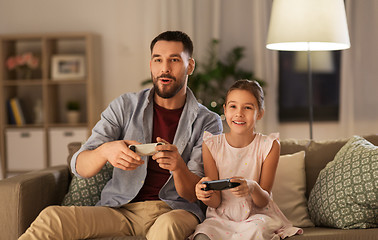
{"points": [[201, 236]]}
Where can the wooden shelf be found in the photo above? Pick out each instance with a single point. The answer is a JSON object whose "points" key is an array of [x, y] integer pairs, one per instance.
{"points": [[51, 93], [20, 82]]}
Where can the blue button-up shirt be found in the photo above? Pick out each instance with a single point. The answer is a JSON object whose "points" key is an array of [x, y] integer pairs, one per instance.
{"points": [[130, 117]]}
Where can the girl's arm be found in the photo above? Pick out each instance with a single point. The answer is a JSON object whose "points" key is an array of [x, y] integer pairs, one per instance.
{"points": [[210, 198], [260, 192]]}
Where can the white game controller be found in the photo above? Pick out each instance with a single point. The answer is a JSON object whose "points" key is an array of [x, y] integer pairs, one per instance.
{"points": [[145, 149]]}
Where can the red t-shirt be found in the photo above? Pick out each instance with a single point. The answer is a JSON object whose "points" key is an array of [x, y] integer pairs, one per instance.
{"points": [[165, 125]]}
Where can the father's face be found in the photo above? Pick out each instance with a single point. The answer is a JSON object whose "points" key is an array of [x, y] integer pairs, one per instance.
{"points": [[170, 67]]}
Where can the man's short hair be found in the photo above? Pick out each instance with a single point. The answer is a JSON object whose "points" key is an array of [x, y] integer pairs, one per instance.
{"points": [[176, 36]]}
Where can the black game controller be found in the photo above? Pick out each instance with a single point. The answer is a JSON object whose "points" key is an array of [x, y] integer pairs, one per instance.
{"points": [[219, 184], [145, 149]]}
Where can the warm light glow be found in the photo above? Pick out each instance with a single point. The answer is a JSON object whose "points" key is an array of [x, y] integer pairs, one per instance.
{"points": [[307, 46], [308, 25], [321, 61]]}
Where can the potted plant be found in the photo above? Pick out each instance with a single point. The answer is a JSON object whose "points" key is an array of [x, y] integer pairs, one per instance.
{"points": [[73, 111]]}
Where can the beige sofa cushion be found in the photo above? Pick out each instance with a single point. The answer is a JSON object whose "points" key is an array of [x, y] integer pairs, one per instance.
{"points": [[289, 189]]}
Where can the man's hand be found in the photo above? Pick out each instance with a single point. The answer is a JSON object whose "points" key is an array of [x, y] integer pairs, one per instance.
{"points": [[170, 159], [90, 162], [120, 156], [168, 156]]}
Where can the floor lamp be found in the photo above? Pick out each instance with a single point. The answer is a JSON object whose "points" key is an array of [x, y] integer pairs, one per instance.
{"points": [[308, 25]]}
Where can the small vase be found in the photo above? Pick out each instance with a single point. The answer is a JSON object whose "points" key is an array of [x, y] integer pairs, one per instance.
{"points": [[24, 73], [73, 116], [38, 113]]}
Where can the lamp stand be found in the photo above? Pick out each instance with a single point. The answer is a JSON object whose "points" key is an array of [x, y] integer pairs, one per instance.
{"points": [[310, 97]]}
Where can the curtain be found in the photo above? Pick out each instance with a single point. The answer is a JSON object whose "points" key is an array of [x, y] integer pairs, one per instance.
{"points": [[265, 65], [359, 85]]}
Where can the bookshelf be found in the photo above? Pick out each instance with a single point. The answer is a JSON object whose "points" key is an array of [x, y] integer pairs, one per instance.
{"points": [[43, 93]]}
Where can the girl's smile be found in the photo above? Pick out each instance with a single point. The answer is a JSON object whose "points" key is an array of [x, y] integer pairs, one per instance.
{"points": [[238, 123], [241, 110]]}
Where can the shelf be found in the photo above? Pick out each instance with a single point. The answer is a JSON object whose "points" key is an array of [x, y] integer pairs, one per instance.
{"points": [[43, 99], [11, 126], [70, 81], [25, 82], [67, 125]]}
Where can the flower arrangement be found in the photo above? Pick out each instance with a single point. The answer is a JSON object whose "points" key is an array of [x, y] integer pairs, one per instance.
{"points": [[24, 63]]}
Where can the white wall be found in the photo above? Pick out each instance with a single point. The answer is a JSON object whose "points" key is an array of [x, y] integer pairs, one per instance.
{"points": [[128, 26], [124, 55]]}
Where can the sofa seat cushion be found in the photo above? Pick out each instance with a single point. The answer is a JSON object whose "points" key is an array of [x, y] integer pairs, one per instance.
{"points": [[345, 194], [323, 233]]}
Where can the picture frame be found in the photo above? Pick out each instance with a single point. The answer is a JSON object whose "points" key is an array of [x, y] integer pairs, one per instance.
{"points": [[67, 67]]}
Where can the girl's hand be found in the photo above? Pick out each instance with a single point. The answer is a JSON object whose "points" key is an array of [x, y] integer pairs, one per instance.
{"points": [[242, 190], [201, 194]]}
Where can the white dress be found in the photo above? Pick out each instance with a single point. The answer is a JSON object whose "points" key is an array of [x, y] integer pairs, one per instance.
{"points": [[239, 218]]}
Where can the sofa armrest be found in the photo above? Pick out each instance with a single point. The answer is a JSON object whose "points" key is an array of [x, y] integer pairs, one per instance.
{"points": [[24, 196]]}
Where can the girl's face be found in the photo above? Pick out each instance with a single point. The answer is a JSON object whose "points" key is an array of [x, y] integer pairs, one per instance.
{"points": [[241, 111]]}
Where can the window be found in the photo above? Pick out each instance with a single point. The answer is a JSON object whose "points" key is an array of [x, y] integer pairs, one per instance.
{"points": [[293, 86]]}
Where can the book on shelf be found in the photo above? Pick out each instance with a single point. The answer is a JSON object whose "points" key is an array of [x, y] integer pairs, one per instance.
{"points": [[17, 112], [11, 117]]}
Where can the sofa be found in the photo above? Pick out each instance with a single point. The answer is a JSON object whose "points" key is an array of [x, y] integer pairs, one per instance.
{"points": [[22, 197]]}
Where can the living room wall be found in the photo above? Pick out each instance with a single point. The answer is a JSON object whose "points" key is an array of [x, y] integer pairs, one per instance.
{"points": [[127, 27]]}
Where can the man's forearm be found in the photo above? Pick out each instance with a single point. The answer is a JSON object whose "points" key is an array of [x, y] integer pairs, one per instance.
{"points": [[185, 182], [89, 163]]}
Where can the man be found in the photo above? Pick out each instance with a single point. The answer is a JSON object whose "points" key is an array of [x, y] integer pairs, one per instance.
{"points": [[152, 197]]}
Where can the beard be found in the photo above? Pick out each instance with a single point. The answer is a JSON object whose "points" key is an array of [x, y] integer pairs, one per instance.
{"points": [[167, 91]]}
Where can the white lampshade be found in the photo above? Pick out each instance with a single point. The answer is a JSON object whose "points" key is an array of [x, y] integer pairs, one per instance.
{"points": [[308, 25]]}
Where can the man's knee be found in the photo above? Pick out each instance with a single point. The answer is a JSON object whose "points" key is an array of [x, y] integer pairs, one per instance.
{"points": [[166, 219], [175, 224], [55, 214], [46, 225]]}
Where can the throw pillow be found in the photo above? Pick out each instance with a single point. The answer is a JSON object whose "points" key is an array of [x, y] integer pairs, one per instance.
{"points": [[87, 191], [345, 194], [289, 189]]}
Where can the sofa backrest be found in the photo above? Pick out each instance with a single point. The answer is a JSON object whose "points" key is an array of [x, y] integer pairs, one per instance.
{"points": [[318, 154], [73, 147]]}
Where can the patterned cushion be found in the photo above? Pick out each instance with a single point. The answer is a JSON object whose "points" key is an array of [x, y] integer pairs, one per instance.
{"points": [[87, 191], [345, 194]]}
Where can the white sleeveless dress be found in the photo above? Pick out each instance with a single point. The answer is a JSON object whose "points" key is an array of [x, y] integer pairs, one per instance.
{"points": [[239, 218]]}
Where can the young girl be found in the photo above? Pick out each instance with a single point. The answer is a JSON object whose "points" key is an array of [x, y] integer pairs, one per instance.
{"points": [[246, 211]]}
